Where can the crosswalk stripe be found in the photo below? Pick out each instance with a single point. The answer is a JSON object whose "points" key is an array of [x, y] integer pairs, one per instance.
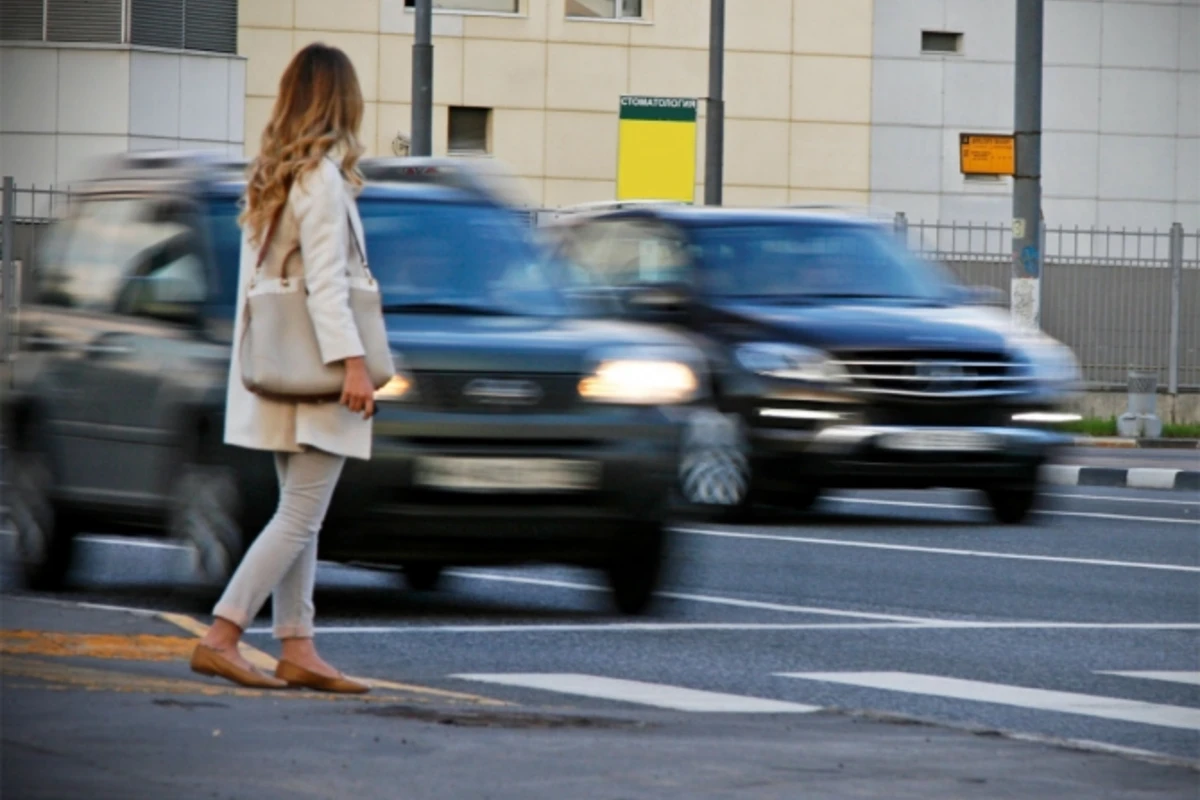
{"points": [[1174, 676], [648, 694], [1019, 696]]}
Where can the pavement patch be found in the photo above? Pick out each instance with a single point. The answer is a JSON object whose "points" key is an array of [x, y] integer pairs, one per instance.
{"points": [[511, 720]]}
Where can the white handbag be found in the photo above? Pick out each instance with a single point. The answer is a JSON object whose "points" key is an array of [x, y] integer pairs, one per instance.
{"points": [[279, 351]]}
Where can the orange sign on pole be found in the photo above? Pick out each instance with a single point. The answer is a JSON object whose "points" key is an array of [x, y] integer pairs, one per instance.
{"points": [[987, 154]]}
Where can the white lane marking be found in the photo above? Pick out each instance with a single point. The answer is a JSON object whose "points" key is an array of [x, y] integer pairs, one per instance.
{"points": [[1019, 696], [1151, 478], [129, 541], [658, 695], [744, 627], [1123, 499], [1046, 511], [941, 551], [1060, 475], [695, 598], [1173, 676]]}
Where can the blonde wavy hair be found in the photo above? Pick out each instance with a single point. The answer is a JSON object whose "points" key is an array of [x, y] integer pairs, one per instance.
{"points": [[319, 109]]}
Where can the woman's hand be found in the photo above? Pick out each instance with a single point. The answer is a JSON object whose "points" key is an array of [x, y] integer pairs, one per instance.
{"points": [[358, 393]]}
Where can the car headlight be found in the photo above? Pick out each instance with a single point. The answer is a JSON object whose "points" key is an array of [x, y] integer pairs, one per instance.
{"points": [[642, 378], [1052, 364], [790, 362]]}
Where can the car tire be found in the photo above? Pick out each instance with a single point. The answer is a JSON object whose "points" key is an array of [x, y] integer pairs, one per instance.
{"points": [[636, 568], [45, 534], [206, 519], [422, 577], [1012, 505], [802, 498]]}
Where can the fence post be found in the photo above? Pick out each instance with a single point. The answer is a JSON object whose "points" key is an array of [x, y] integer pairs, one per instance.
{"points": [[8, 209], [900, 226], [1176, 258]]}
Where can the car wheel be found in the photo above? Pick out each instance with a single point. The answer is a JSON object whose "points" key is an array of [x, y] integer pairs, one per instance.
{"points": [[714, 470], [423, 577], [206, 514], [801, 498], [1012, 505], [636, 568], [45, 536]]}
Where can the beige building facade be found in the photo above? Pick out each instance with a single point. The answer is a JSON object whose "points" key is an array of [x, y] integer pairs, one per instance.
{"points": [[537, 84]]}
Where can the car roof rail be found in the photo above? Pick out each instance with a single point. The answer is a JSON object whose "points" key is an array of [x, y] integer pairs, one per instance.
{"points": [[162, 170], [873, 212], [485, 178]]}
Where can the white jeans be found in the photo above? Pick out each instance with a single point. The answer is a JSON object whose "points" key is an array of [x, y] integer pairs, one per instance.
{"points": [[283, 559]]}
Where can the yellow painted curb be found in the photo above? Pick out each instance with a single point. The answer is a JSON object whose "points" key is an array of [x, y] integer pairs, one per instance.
{"points": [[266, 662]]}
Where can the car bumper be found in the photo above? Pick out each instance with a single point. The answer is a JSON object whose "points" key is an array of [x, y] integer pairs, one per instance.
{"points": [[384, 511], [899, 456]]}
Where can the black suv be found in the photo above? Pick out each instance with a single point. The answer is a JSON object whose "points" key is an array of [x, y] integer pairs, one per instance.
{"points": [[515, 430], [838, 358]]}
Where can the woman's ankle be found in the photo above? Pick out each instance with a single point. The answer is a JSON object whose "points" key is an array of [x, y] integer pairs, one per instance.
{"points": [[223, 635], [297, 648]]}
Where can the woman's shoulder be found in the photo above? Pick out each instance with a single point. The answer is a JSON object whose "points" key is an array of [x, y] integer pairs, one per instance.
{"points": [[325, 176]]}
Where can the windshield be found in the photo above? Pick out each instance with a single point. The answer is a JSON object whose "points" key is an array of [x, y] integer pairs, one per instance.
{"points": [[812, 260], [431, 257]]}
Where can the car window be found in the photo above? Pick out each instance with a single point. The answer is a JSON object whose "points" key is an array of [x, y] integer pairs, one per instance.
{"points": [[225, 244], [627, 252], [473, 255], [94, 251], [782, 260]]}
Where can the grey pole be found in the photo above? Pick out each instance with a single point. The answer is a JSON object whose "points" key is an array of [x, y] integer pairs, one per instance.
{"points": [[1176, 255], [714, 160], [1027, 183], [422, 81], [8, 282]]}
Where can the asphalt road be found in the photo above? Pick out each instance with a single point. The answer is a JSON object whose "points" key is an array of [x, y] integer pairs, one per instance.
{"points": [[1084, 625]]}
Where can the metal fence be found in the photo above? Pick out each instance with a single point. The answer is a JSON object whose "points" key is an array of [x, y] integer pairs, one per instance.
{"points": [[1121, 299], [1110, 294]]}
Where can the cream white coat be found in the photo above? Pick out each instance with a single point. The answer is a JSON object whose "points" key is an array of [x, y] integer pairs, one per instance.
{"points": [[316, 220]]}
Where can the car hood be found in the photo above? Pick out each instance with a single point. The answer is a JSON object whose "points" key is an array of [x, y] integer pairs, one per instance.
{"points": [[454, 343], [856, 325]]}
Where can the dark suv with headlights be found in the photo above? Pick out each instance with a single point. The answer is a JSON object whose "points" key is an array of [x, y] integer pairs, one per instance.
{"points": [[838, 359], [515, 430]]}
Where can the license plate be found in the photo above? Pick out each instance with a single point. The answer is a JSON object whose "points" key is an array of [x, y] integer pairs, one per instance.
{"points": [[507, 474], [939, 441]]}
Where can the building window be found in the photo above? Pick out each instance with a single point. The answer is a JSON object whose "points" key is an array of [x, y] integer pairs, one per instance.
{"points": [[489, 6], [469, 130], [209, 25], [941, 42], [604, 9]]}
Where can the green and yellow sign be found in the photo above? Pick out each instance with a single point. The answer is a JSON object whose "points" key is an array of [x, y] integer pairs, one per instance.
{"points": [[657, 151]]}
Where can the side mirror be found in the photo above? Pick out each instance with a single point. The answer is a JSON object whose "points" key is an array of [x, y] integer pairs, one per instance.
{"points": [[658, 302], [167, 298]]}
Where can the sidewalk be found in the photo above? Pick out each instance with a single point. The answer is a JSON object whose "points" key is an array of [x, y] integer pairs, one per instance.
{"points": [[99, 704]]}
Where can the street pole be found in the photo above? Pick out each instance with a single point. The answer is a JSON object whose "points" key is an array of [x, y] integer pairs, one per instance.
{"points": [[422, 81], [714, 160], [1027, 178]]}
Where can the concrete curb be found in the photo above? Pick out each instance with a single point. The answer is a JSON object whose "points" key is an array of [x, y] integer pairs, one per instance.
{"points": [[1113, 442], [1180, 480]]}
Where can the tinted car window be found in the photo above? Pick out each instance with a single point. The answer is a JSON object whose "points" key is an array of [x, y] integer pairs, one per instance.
{"points": [[96, 250], [812, 260], [477, 256], [225, 239]]}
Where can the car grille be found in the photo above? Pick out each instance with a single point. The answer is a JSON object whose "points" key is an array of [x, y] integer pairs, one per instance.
{"points": [[466, 392], [931, 375]]}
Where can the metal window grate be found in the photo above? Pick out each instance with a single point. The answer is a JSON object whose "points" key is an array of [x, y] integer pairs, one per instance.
{"points": [[21, 20], [157, 23], [210, 25], [469, 129], [84, 21]]}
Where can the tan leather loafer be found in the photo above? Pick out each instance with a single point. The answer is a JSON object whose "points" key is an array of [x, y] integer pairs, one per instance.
{"points": [[207, 661], [298, 677]]}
